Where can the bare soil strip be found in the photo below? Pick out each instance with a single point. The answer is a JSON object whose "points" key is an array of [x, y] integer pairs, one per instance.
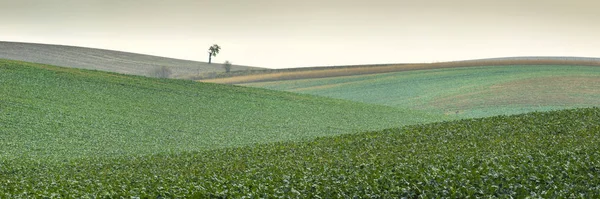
{"points": [[322, 72]]}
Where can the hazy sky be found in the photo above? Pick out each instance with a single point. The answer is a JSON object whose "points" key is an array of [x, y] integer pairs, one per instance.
{"points": [[295, 33]]}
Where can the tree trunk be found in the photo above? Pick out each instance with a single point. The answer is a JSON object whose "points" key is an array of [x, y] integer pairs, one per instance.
{"points": [[209, 57]]}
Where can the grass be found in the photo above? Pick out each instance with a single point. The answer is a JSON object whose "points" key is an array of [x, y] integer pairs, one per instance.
{"points": [[107, 60], [463, 92], [49, 112], [547, 155]]}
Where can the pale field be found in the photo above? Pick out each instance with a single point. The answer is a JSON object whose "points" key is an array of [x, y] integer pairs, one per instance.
{"points": [[107, 60]]}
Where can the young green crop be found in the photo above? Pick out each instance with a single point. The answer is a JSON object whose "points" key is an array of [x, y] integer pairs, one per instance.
{"points": [[463, 92], [63, 113], [69, 133], [547, 155]]}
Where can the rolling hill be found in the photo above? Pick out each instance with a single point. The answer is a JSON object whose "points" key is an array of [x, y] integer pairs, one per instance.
{"points": [[61, 113], [242, 77], [545, 155], [77, 133], [107, 60], [467, 92]]}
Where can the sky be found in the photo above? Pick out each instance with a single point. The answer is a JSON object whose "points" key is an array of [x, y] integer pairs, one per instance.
{"points": [[300, 33]]}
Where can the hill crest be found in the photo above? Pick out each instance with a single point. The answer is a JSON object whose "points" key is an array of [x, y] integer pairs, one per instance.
{"points": [[107, 60], [242, 77]]}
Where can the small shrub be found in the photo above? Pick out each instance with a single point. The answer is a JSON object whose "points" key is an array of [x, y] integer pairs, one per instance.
{"points": [[227, 66], [162, 72]]}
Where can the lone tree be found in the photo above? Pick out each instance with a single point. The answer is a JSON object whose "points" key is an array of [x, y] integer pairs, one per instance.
{"points": [[213, 51], [227, 66]]}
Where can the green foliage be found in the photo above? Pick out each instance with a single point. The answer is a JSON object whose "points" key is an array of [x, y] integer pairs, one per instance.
{"points": [[63, 113], [467, 92], [547, 155], [214, 50]]}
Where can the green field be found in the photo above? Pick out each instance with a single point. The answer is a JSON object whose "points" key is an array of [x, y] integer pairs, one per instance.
{"points": [[73, 133], [547, 155], [55, 112], [464, 92]]}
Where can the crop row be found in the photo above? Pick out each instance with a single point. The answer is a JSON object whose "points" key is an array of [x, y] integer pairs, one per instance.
{"points": [[61, 113], [549, 155]]}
